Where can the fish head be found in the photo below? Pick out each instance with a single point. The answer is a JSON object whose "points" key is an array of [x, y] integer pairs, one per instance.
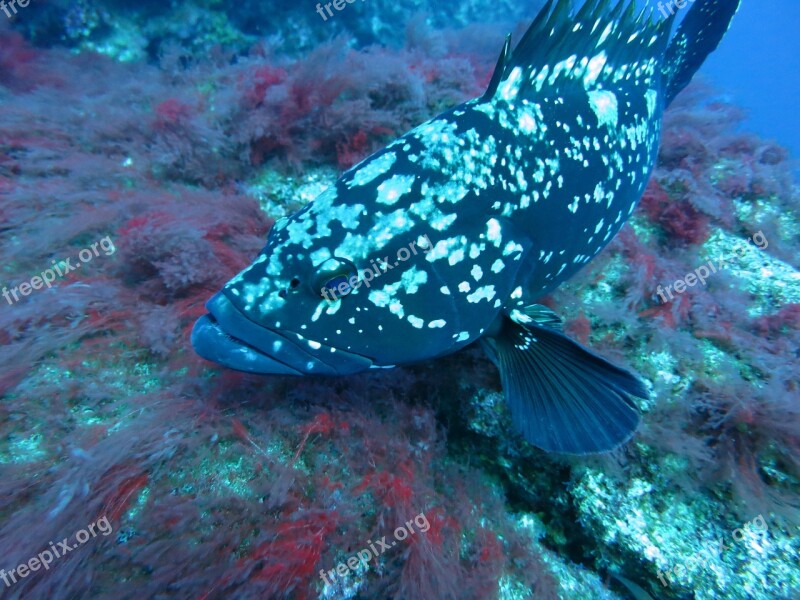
{"points": [[321, 299]]}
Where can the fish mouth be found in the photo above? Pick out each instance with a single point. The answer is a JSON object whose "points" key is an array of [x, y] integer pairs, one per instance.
{"points": [[227, 337]]}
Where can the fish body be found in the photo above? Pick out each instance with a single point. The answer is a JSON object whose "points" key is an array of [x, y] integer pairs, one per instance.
{"points": [[453, 231]]}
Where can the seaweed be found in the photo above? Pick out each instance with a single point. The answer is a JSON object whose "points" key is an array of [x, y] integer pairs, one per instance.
{"points": [[222, 484]]}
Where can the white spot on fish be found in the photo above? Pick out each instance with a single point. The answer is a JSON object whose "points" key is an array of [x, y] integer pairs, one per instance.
{"points": [[456, 257], [599, 227], [512, 247], [595, 68], [412, 279], [476, 273], [396, 308], [389, 191], [651, 96], [605, 107], [508, 90], [441, 221], [482, 293], [373, 168], [319, 256], [527, 124], [493, 232], [379, 298], [415, 321]]}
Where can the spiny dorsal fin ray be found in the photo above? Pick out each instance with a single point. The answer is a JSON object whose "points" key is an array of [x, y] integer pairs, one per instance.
{"points": [[559, 45], [499, 70]]}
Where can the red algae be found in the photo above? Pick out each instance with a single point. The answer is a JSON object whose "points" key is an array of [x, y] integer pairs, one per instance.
{"points": [[222, 484]]}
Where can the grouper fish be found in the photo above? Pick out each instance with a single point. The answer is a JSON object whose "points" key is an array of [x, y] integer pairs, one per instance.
{"points": [[452, 232]]}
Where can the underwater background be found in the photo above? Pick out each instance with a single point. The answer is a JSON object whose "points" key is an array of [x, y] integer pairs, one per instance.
{"points": [[154, 144]]}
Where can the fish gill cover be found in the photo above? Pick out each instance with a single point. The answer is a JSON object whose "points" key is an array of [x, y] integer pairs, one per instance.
{"points": [[145, 153]]}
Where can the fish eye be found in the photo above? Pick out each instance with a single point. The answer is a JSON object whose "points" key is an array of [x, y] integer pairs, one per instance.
{"points": [[334, 285], [294, 283], [334, 276]]}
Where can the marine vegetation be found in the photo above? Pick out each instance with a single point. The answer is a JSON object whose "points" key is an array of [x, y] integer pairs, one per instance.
{"points": [[167, 175]]}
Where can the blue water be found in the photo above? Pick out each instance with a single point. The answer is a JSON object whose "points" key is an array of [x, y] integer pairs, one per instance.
{"points": [[757, 66]]}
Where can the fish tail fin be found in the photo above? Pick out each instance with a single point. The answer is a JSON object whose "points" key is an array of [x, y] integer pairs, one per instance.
{"points": [[587, 47], [698, 36]]}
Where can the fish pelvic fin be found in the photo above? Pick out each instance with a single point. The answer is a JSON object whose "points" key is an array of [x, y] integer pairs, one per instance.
{"points": [[588, 47], [562, 397], [698, 35]]}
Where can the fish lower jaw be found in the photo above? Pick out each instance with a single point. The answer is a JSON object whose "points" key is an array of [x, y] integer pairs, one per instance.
{"points": [[212, 343], [226, 336]]}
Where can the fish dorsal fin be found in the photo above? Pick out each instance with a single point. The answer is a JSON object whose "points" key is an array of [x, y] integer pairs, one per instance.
{"points": [[698, 35], [499, 70], [591, 46]]}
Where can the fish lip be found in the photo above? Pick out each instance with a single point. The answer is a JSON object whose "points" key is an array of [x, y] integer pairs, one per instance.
{"points": [[212, 343], [227, 336]]}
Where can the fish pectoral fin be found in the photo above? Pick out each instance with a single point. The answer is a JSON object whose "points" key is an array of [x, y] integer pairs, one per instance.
{"points": [[538, 314], [562, 397]]}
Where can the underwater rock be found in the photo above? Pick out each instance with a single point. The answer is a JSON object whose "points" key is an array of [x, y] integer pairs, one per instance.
{"points": [[218, 484]]}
